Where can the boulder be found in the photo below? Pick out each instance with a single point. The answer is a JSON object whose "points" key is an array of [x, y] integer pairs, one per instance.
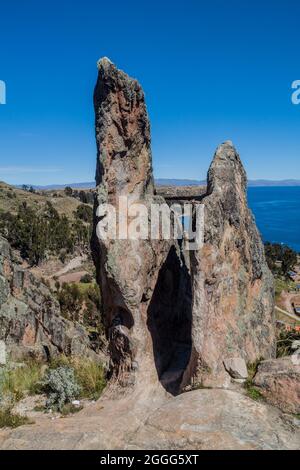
{"points": [[236, 368], [279, 382]]}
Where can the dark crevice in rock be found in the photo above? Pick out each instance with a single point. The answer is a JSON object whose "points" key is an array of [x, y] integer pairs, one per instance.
{"points": [[170, 321]]}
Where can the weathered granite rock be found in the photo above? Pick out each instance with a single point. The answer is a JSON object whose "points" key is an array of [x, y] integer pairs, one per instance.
{"points": [[215, 420], [124, 164], [127, 270], [233, 294], [146, 287], [30, 317], [198, 420], [279, 382], [236, 367], [2, 353]]}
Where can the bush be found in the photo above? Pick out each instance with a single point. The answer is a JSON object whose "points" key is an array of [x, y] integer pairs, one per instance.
{"points": [[68, 191], [255, 394], [81, 302], [89, 375], [70, 299], [86, 279], [85, 213], [61, 387], [91, 378], [11, 420]]}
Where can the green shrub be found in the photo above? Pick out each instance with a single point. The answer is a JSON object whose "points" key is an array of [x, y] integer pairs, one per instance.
{"points": [[91, 378], [254, 393], [89, 375], [85, 213], [61, 387], [39, 233], [70, 299], [86, 279], [11, 420], [68, 191], [252, 369]]}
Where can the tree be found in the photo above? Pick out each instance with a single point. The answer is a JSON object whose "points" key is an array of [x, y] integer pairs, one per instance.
{"points": [[289, 259], [276, 252], [68, 191], [84, 213]]}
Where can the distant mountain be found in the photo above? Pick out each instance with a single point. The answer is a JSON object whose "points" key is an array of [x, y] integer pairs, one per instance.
{"points": [[274, 183], [251, 183], [171, 182]]}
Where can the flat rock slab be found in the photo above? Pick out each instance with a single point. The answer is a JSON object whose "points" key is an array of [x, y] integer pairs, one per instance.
{"points": [[215, 419], [201, 420]]}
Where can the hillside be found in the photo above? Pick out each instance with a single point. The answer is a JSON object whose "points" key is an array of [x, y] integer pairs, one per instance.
{"points": [[11, 198]]}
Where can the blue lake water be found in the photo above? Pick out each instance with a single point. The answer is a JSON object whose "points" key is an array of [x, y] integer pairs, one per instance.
{"points": [[277, 213]]}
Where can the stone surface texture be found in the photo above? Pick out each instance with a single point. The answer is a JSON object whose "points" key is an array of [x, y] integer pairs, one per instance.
{"points": [[236, 368], [279, 382], [31, 323], [233, 293], [198, 420], [226, 288]]}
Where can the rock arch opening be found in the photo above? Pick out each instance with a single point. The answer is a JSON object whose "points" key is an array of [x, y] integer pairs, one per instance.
{"points": [[170, 321]]}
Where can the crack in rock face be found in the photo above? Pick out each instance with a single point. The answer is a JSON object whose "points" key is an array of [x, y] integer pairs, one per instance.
{"points": [[173, 317]]}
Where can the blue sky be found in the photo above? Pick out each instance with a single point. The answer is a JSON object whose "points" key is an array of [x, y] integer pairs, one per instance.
{"points": [[211, 71]]}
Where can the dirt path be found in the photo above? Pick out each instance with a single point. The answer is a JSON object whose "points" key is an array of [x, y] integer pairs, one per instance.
{"points": [[72, 277], [73, 264]]}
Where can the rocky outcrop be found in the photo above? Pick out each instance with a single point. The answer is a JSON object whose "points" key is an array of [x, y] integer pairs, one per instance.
{"points": [[30, 319], [173, 316], [124, 164], [232, 286], [140, 280], [278, 380]]}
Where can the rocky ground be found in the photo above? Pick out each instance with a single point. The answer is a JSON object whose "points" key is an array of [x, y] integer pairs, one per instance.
{"points": [[201, 419]]}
